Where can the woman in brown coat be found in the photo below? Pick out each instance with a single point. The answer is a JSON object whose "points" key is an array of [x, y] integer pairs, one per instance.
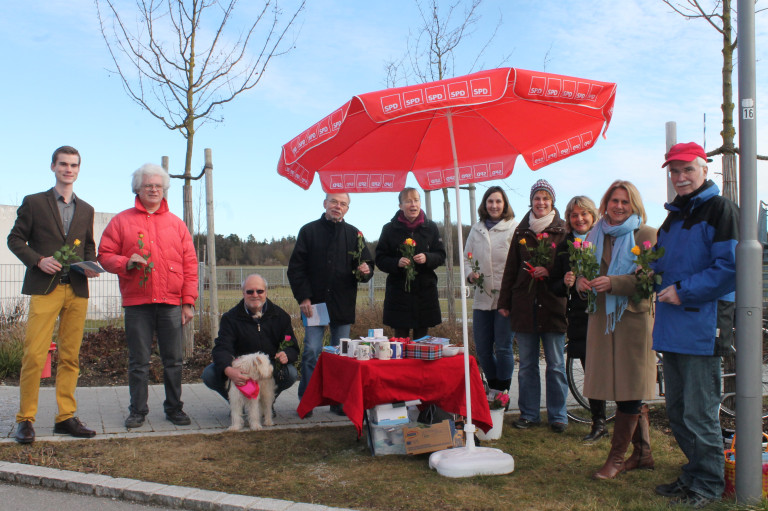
{"points": [[622, 364], [537, 315]]}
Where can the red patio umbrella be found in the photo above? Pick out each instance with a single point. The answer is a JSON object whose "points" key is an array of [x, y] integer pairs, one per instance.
{"points": [[370, 143], [448, 133]]}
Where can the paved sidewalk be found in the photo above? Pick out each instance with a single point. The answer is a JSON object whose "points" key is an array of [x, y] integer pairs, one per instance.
{"points": [[105, 409]]}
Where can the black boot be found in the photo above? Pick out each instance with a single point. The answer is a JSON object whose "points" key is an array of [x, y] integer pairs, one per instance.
{"points": [[598, 431], [503, 385]]}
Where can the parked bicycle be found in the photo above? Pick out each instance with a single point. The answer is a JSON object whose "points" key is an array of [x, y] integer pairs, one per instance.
{"points": [[575, 374]]}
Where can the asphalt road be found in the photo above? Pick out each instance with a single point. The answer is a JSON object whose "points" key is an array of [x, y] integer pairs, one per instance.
{"points": [[27, 498]]}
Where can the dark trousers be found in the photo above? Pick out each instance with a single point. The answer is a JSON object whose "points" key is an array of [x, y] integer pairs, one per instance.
{"points": [[217, 381], [142, 322]]}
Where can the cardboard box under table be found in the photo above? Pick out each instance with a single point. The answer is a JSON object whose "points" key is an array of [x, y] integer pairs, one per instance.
{"points": [[413, 438], [360, 385]]}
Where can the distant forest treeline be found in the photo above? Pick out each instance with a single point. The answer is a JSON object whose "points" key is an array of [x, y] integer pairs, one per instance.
{"points": [[234, 251]]}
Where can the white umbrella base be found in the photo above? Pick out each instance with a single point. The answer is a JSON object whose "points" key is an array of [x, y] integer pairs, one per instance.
{"points": [[471, 461]]}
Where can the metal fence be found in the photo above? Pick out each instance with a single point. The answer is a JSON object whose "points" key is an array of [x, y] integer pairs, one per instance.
{"points": [[104, 305]]}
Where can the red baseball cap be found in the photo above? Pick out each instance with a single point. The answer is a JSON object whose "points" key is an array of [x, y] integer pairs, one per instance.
{"points": [[687, 151]]}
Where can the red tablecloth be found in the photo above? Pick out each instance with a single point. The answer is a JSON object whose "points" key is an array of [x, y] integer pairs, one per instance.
{"points": [[360, 385]]}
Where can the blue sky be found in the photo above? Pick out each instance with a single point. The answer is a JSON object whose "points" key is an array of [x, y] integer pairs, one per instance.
{"points": [[57, 90]]}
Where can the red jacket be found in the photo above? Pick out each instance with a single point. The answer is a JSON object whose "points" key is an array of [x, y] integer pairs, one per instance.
{"points": [[173, 279]]}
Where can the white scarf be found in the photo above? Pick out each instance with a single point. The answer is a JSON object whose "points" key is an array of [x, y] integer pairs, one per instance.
{"points": [[539, 224]]}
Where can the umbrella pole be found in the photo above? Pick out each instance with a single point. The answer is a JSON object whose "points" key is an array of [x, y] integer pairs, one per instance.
{"points": [[470, 460]]}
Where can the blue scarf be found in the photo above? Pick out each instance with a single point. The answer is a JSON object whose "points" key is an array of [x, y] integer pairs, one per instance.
{"points": [[622, 261]]}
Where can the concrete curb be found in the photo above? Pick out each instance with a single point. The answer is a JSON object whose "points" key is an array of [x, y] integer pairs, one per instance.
{"points": [[176, 497]]}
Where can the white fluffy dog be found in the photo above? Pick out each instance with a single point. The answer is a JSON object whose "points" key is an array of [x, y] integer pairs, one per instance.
{"points": [[257, 367]]}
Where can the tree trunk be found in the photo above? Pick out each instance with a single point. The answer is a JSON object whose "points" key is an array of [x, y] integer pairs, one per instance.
{"points": [[448, 242], [730, 186]]}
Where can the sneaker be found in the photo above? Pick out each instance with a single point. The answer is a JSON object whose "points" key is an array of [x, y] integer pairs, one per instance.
{"points": [[179, 418], [692, 499], [558, 427], [134, 420], [522, 423], [673, 489]]}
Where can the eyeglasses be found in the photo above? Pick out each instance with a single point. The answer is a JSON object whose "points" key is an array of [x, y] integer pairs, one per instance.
{"points": [[686, 171], [152, 187], [257, 291], [334, 202]]}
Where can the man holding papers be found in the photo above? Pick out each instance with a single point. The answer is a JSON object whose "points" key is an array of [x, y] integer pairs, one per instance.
{"points": [[329, 260], [53, 229]]}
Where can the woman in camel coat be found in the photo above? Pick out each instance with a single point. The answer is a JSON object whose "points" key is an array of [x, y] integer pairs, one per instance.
{"points": [[622, 365]]}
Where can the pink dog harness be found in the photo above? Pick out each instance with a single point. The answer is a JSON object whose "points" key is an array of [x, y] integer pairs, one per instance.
{"points": [[250, 389]]}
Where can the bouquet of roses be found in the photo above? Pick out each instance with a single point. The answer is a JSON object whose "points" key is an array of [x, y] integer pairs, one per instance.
{"points": [[408, 249], [497, 400], [479, 281], [357, 256], [581, 255], [646, 279], [541, 255], [65, 255]]}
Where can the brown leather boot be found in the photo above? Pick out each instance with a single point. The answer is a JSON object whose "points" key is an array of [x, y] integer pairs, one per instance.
{"points": [[624, 428], [641, 456]]}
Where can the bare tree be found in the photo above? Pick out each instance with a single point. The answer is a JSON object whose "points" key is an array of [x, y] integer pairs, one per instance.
{"points": [[182, 72], [720, 17], [430, 56]]}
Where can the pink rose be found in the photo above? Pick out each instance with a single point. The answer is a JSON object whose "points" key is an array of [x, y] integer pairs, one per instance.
{"points": [[577, 244], [647, 245]]}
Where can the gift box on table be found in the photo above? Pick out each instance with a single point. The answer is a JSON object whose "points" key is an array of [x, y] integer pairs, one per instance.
{"points": [[424, 351]]}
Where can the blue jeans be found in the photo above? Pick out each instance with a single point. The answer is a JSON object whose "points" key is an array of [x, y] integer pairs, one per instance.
{"points": [[493, 344], [141, 323], [693, 401], [313, 345], [216, 380], [529, 382]]}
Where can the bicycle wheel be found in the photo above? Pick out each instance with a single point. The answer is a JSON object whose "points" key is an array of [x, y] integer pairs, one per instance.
{"points": [[728, 389], [578, 406]]}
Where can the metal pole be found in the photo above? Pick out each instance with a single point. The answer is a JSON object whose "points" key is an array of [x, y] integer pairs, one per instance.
{"points": [[671, 133], [211, 243], [748, 264]]}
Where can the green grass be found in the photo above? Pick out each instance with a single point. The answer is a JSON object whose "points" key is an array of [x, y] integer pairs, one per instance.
{"points": [[330, 466]]}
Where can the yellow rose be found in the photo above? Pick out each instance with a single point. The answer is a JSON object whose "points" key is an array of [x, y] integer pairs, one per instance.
{"points": [[76, 243], [636, 250], [522, 241]]}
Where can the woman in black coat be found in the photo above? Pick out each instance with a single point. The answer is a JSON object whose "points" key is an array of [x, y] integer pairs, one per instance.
{"points": [[410, 304], [580, 214]]}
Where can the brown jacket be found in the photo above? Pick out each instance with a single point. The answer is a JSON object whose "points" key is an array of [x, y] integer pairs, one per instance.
{"points": [[621, 366], [538, 310], [39, 232]]}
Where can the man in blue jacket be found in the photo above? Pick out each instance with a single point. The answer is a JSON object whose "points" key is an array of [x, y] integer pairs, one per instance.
{"points": [[698, 272]]}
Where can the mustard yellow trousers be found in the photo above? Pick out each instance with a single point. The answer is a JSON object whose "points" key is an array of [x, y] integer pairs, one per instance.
{"points": [[71, 309]]}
